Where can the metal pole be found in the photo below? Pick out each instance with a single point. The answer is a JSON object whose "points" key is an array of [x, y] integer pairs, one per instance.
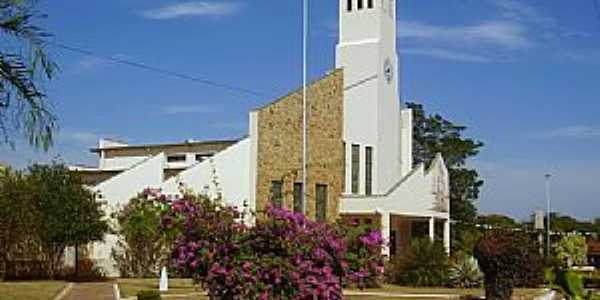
{"points": [[304, 104], [548, 176]]}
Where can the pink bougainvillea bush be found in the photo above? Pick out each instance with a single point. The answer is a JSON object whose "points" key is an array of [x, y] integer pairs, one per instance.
{"points": [[283, 256], [364, 255]]}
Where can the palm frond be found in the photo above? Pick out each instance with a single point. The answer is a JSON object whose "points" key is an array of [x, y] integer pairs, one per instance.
{"points": [[23, 103]]}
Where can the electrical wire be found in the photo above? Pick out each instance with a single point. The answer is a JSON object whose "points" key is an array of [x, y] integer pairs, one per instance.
{"points": [[146, 67]]}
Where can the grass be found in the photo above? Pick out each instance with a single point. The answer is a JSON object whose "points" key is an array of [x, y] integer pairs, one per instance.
{"points": [[130, 287], [388, 288], [31, 290]]}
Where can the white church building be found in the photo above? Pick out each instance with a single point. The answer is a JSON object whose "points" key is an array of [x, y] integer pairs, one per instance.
{"points": [[359, 149]]}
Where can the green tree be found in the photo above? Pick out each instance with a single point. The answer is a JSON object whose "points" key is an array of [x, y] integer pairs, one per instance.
{"points": [[68, 213], [24, 67], [497, 221], [142, 248], [434, 134], [571, 250], [17, 215]]}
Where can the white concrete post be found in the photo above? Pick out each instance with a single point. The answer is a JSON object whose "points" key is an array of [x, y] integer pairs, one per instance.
{"points": [[432, 229], [385, 232], [447, 235]]}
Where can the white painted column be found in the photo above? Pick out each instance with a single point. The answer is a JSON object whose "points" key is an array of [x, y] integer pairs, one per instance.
{"points": [[447, 235], [432, 229], [385, 232]]}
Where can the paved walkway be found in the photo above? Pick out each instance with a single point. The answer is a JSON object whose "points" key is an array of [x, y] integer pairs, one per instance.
{"points": [[91, 291]]}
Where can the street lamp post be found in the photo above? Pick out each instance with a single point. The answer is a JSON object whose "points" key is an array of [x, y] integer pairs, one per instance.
{"points": [[548, 176], [305, 12]]}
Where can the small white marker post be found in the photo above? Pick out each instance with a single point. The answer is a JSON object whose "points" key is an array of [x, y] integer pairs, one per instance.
{"points": [[164, 280]]}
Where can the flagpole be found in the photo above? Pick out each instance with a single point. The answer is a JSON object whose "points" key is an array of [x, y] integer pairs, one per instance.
{"points": [[304, 104]]}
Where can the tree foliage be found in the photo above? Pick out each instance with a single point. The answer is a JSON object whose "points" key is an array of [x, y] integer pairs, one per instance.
{"points": [[17, 214], [434, 134], [142, 249], [68, 213], [497, 221], [24, 67], [571, 250], [508, 259]]}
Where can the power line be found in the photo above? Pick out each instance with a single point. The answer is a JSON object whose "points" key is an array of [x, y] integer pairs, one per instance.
{"points": [[161, 71]]}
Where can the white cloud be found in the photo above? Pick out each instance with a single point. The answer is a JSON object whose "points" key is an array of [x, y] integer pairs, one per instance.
{"points": [[509, 35], [518, 10], [445, 54], [195, 8], [187, 109], [571, 132]]}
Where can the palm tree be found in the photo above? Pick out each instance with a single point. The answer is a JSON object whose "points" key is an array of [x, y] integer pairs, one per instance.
{"points": [[24, 67]]}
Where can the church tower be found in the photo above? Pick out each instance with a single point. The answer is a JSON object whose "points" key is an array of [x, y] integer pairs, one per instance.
{"points": [[372, 111]]}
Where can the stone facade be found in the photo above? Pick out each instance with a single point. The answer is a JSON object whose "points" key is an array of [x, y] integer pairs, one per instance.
{"points": [[280, 137]]}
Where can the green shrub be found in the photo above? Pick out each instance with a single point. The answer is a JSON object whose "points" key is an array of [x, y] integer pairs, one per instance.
{"points": [[148, 295], [141, 249], [571, 284], [507, 259], [425, 263], [570, 251], [465, 272]]}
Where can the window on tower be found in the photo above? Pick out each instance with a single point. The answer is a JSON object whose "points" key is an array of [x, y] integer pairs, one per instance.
{"points": [[368, 170], [349, 5], [360, 4], [277, 193], [370, 3], [321, 203], [355, 168]]}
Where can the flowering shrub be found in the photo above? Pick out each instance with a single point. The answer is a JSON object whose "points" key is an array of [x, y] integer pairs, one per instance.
{"points": [[364, 255], [508, 259], [284, 256]]}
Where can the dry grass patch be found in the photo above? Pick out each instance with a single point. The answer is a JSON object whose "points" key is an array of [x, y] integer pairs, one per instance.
{"points": [[395, 289], [130, 287], [30, 290]]}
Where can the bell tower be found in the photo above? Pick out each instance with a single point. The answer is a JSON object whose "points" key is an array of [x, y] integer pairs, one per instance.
{"points": [[366, 51]]}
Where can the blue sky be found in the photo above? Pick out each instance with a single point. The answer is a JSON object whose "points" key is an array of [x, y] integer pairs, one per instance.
{"points": [[524, 76]]}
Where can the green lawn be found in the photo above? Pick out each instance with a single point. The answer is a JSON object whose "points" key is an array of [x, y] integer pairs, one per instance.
{"points": [[130, 287], [31, 290]]}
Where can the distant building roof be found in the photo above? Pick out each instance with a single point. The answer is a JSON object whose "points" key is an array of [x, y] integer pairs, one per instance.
{"points": [[185, 143], [593, 248]]}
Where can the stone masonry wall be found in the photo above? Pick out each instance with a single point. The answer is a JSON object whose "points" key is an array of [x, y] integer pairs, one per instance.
{"points": [[280, 145]]}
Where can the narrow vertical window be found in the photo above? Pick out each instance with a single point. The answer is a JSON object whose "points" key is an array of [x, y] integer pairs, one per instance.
{"points": [[344, 166], [349, 5], [355, 168], [368, 170], [370, 3], [359, 5], [393, 243], [321, 205], [276, 193], [298, 204]]}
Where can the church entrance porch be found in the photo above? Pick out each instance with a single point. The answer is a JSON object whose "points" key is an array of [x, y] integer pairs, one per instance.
{"points": [[404, 228], [399, 230]]}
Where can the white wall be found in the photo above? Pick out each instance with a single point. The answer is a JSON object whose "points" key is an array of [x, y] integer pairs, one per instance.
{"points": [[230, 168], [120, 163], [371, 103], [414, 195]]}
